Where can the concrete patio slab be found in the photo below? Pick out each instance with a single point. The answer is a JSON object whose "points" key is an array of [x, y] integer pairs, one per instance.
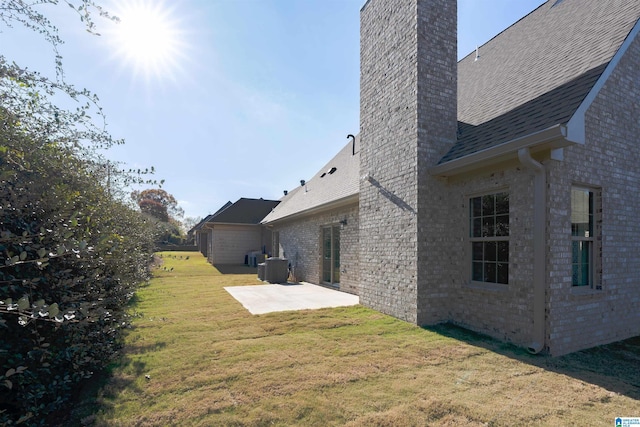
{"points": [[261, 299]]}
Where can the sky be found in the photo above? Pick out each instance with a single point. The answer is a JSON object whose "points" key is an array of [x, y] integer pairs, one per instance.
{"points": [[228, 98]]}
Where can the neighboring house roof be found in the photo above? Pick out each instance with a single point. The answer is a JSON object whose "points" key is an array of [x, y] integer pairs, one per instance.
{"points": [[329, 187], [199, 225], [244, 211], [225, 206], [536, 73]]}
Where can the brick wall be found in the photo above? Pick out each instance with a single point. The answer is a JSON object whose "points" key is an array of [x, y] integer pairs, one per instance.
{"points": [[577, 318], [201, 241], [608, 161], [232, 242], [407, 122], [414, 252], [300, 243], [502, 311], [437, 132]]}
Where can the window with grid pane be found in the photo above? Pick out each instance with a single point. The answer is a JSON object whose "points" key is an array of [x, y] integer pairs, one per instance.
{"points": [[582, 237], [489, 236]]}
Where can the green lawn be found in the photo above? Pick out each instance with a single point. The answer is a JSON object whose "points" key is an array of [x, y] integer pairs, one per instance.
{"points": [[196, 357]]}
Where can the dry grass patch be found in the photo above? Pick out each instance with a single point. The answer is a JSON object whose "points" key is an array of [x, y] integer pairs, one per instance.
{"points": [[210, 362]]}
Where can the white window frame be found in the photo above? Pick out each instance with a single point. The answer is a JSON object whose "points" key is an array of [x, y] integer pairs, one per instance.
{"points": [[487, 237], [588, 237]]}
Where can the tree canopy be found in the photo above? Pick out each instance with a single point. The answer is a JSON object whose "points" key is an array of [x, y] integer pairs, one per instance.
{"points": [[163, 208], [158, 203]]}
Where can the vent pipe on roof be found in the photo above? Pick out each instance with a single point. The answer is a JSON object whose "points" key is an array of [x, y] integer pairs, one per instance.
{"points": [[302, 182], [477, 53], [286, 192], [353, 144]]}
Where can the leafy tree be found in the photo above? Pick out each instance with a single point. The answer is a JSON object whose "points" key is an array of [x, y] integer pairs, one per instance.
{"points": [[27, 94], [191, 221], [162, 208], [155, 209], [71, 251], [71, 256], [187, 226], [158, 203], [169, 233]]}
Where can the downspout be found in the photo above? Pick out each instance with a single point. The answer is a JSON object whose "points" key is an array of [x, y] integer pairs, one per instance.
{"points": [[539, 253]]}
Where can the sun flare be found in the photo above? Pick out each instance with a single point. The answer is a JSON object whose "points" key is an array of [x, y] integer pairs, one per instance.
{"points": [[148, 38]]}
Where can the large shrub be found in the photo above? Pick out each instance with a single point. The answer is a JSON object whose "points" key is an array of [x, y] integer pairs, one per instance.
{"points": [[71, 256], [72, 250]]}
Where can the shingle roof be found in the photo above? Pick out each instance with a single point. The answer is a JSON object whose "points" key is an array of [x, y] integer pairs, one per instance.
{"points": [[536, 73], [199, 225], [225, 206], [244, 211], [325, 187]]}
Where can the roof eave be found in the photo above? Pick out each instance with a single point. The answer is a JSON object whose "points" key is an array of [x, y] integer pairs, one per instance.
{"points": [[211, 224], [345, 201], [551, 138]]}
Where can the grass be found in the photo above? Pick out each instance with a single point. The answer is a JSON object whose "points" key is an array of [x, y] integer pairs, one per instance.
{"points": [[196, 357]]}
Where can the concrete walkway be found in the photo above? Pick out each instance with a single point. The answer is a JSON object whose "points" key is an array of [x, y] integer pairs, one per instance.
{"points": [[262, 299]]}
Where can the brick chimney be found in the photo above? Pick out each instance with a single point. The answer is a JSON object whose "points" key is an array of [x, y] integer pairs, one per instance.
{"points": [[408, 121]]}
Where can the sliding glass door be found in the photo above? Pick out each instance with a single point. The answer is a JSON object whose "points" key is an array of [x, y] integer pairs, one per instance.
{"points": [[331, 255]]}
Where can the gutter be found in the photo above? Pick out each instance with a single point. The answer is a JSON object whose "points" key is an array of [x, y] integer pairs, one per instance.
{"points": [[539, 253], [210, 225], [345, 201], [551, 138]]}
